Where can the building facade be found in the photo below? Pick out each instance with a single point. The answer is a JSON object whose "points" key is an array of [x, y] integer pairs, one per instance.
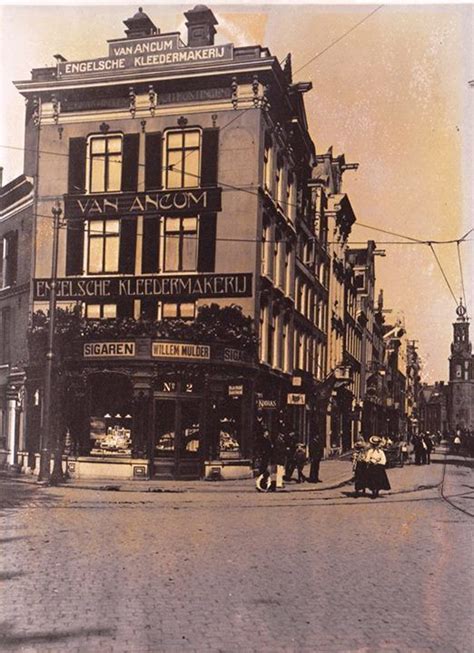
{"points": [[16, 210], [188, 235]]}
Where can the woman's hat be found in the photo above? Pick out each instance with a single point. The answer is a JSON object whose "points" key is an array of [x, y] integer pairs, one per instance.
{"points": [[360, 444], [375, 439]]}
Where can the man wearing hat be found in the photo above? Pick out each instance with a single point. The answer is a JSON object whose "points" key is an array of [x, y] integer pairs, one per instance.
{"points": [[376, 475]]}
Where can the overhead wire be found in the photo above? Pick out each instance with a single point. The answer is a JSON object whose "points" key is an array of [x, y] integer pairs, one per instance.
{"points": [[443, 273]]}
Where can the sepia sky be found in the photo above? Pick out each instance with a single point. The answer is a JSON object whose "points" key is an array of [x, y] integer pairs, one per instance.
{"points": [[392, 95]]}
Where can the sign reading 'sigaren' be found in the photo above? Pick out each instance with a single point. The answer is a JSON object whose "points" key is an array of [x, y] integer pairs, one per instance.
{"points": [[186, 286], [166, 50], [169, 202]]}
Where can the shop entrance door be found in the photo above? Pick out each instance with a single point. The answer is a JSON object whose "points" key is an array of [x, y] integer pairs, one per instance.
{"points": [[177, 446]]}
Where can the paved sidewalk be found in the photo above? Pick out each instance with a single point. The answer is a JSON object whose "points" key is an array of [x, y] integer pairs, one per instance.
{"points": [[333, 473]]}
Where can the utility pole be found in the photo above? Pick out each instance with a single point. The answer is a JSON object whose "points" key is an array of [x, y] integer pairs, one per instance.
{"points": [[46, 440]]}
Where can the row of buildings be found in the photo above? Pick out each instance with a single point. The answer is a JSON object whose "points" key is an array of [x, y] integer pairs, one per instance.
{"points": [[201, 268]]}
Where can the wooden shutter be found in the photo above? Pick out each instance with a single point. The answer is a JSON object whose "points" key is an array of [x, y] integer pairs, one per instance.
{"points": [[130, 162], [128, 241], [125, 308], [209, 157], [75, 247], [77, 165], [149, 308], [207, 242], [153, 161], [151, 244]]}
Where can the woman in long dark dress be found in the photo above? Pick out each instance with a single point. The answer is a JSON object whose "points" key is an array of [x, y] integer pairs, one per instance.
{"points": [[359, 466], [376, 476]]}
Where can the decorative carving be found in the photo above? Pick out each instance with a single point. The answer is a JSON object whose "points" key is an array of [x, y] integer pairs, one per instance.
{"points": [[132, 101], [153, 99], [214, 119], [182, 122], [104, 128], [55, 104], [143, 124], [234, 89], [36, 112], [60, 132], [255, 89]]}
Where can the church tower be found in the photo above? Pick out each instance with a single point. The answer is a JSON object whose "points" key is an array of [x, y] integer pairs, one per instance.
{"points": [[461, 375]]}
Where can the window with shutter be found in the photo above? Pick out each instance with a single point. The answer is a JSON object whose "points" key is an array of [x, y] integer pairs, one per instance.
{"points": [[182, 158], [153, 161], [77, 165], [105, 163], [75, 248]]}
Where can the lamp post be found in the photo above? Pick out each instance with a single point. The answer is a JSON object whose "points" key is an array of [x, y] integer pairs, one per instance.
{"points": [[46, 440]]}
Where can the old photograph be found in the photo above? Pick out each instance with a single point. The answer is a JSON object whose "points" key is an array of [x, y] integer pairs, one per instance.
{"points": [[236, 368]]}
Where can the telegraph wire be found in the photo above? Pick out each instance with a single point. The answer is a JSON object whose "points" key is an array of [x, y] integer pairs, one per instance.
{"points": [[340, 38], [443, 273]]}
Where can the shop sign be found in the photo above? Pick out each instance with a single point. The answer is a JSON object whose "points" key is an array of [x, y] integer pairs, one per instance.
{"points": [[177, 287], [190, 351], [296, 399], [108, 349], [267, 403], [236, 390], [164, 202], [152, 52], [234, 355]]}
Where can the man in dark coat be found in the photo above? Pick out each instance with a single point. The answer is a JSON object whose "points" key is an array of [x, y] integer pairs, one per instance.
{"points": [[263, 443], [316, 452], [291, 444]]}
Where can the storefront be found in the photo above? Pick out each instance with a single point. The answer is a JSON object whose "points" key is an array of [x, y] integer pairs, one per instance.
{"points": [[145, 408]]}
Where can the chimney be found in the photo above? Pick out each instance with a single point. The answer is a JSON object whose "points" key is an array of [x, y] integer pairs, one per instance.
{"points": [[140, 26], [200, 26]]}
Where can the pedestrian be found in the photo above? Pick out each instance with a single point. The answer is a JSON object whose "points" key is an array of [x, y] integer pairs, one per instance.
{"points": [[418, 449], [428, 446], [263, 444], [376, 475], [291, 445], [300, 462], [359, 467], [457, 443], [404, 455], [279, 454], [316, 451]]}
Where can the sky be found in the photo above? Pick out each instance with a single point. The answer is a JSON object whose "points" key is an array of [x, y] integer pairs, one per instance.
{"points": [[392, 94]]}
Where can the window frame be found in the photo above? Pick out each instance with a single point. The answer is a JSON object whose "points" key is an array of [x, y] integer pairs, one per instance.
{"points": [[181, 232], [102, 236], [183, 132], [90, 158]]}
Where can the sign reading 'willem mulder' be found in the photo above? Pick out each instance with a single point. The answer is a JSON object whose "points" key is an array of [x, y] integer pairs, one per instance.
{"points": [[151, 52], [158, 287]]}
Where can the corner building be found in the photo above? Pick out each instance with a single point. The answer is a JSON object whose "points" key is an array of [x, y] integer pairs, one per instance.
{"points": [[182, 173]]}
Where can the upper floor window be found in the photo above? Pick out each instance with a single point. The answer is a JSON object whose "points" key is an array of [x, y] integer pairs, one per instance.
{"points": [[8, 259], [100, 311], [181, 244], [182, 159], [105, 163], [103, 246], [5, 328], [268, 165], [182, 311]]}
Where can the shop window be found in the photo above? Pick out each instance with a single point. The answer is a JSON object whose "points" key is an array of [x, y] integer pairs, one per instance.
{"points": [[100, 311], [8, 259], [190, 434], [165, 427], [5, 333], [182, 311], [181, 245], [182, 159], [103, 238], [105, 163]]}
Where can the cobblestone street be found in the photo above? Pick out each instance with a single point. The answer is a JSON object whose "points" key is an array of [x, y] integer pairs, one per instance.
{"points": [[219, 567]]}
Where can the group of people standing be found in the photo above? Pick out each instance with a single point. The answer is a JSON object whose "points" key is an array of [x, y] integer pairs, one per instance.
{"points": [[279, 454], [423, 445], [369, 463]]}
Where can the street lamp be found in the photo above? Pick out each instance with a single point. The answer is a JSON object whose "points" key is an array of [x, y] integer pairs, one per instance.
{"points": [[45, 449]]}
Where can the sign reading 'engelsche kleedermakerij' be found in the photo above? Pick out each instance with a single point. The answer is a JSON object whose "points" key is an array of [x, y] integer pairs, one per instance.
{"points": [[179, 287], [169, 202], [166, 50]]}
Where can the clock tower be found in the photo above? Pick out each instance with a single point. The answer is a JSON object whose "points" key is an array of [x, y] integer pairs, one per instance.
{"points": [[461, 375]]}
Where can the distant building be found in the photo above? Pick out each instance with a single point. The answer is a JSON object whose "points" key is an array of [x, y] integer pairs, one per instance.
{"points": [[433, 408], [461, 376]]}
